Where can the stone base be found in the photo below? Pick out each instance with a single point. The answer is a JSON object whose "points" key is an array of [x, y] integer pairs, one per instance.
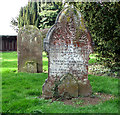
{"points": [[84, 88], [30, 67], [66, 87]]}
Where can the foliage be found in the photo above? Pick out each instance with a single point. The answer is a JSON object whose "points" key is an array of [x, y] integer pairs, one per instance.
{"points": [[14, 24], [49, 12], [40, 14], [29, 15], [21, 91], [103, 21]]}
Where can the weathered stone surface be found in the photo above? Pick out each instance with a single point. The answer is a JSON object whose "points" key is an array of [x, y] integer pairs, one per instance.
{"points": [[29, 50], [84, 87], [44, 32], [68, 44], [30, 67], [68, 86]]}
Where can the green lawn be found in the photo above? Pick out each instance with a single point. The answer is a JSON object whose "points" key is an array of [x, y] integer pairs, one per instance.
{"points": [[21, 91]]}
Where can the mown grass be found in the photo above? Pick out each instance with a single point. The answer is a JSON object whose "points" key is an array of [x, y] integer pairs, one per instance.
{"points": [[93, 58], [21, 91]]}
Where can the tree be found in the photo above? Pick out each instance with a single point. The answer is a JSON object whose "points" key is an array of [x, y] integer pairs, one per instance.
{"points": [[103, 21], [29, 15], [20, 18], [48, 14], [40, 14], [14, 24]]}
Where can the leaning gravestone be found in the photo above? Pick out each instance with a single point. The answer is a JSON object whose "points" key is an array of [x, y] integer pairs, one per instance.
{"points": [[68, 45], [29, 50]]}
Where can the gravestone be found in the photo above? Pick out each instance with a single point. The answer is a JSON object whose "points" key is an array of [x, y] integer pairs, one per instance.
{"points": [[29, 50], [68, 44]]}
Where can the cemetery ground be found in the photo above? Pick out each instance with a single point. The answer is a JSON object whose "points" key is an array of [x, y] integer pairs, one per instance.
{"points": [[21, 92]]}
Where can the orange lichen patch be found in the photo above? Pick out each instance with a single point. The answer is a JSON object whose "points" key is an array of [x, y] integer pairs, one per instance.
{"points": [[69, 41], [66, 42], [78, 44]]}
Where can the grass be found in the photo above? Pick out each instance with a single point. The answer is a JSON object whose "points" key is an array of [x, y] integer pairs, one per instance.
{"points": [[92, 58], [21, 91], [78, 101]]}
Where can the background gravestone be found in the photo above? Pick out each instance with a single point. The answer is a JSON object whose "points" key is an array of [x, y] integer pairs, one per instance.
{"points": [[68, 44], [29, 50]]}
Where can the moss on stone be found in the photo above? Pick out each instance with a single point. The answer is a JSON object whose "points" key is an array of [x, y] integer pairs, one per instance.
{"points": [[30, 66], [68, 19], [29, 62]]}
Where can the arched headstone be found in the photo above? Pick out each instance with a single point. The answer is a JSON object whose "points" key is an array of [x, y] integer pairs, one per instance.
{"points": [[29, 50], [68, 44]]}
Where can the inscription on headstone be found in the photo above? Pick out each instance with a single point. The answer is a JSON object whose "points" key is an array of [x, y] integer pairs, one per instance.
{"points": [[29, 50], [68, 44]]}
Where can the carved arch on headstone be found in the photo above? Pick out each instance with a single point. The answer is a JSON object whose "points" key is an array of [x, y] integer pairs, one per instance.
{"points": [[79, 24]]}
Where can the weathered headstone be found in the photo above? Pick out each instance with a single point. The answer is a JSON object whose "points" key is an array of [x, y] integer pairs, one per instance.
{"points": [[68, 44], [29, 50]]}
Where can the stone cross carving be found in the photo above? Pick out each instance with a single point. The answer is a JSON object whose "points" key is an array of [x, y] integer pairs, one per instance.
{"points": [[29, 50], [68, 44]]}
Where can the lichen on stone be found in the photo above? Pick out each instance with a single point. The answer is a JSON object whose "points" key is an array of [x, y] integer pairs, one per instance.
{"points": [[68, 52]]}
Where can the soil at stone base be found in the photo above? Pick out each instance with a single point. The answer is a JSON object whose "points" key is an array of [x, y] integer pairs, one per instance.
{"points": [[94, 99], [84, 101]]}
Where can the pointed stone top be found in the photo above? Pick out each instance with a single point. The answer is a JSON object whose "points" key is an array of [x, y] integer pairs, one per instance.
{"points": [[70, 21], [70, 12]]}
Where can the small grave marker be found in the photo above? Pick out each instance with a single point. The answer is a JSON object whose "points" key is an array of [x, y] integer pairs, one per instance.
{"points": [[29, 50]]}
